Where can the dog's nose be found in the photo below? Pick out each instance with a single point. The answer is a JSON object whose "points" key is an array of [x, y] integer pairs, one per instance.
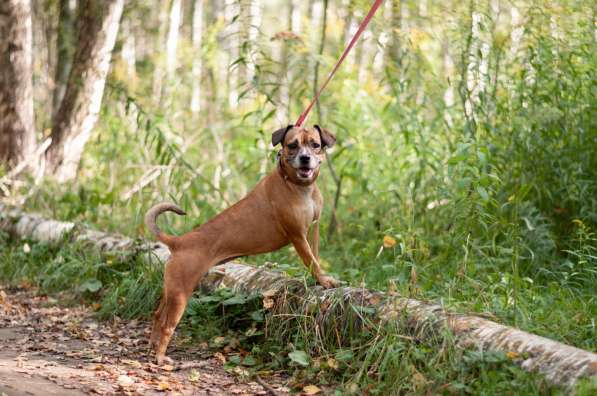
{"points": [[304, 159]]}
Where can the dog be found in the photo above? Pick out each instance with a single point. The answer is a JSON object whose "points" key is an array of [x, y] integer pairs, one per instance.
{"points": [[280, 210]]}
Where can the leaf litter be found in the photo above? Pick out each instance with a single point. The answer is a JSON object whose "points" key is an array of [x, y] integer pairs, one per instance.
{"points": [[77, 354]]}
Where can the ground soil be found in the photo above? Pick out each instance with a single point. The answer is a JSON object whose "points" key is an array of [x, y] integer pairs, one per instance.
{"points": [[47, 348]]}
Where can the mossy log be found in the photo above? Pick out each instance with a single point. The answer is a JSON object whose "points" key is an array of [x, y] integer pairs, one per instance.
{"points": [[561, 364]]}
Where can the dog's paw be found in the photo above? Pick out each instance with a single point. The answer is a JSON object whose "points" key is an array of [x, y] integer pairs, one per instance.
{"points": [[164, 360], [328, 282]]}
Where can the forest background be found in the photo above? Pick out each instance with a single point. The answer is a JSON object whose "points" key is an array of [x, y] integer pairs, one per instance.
{"points": [[465, 169]]}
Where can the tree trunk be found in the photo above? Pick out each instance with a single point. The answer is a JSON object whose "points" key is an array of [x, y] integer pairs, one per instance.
{"points": [[197, 55], [17, 136], [560, 363], [172, 40], [254, 26], [231, 37], [98, 26], [129, 48], [65, 49]]}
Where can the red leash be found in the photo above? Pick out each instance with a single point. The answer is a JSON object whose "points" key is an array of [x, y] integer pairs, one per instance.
{"points": [[364, 24]]}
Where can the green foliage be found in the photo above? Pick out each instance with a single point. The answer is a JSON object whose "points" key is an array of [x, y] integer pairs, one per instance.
{"points": [[491, 196]]}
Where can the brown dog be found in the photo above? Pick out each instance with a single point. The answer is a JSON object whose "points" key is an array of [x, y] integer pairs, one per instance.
{"points": [[280, 210]]}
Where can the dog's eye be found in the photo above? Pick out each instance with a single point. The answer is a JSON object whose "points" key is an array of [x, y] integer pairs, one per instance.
{"points": [[316, 145], [292, 145]]}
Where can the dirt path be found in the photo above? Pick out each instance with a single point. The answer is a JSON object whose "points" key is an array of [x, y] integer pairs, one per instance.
{"points": [[47, 349]]}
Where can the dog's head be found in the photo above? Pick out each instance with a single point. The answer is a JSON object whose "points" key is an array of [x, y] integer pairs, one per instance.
{"points": [[303, 151]]}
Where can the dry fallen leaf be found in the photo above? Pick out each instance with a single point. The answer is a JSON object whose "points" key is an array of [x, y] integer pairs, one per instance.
{"points": [[311, 390], [220, 357], [167, 367], [134, 363], [268, 303], [193, 376], [512, 355], [125, 381], [163, 386], [333, 363]]}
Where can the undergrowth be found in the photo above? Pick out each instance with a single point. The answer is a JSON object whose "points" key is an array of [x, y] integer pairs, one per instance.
{"points": [[355, 355]]}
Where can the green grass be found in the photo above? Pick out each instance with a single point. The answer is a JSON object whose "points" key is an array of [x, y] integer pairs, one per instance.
{"points": [[362, 356]]}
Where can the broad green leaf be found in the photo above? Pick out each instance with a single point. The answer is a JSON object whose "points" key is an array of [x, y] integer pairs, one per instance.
{"points": [[299, 357]]}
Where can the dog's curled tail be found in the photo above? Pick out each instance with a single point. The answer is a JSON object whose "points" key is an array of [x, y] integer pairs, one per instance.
{"points": [[154, 212]]}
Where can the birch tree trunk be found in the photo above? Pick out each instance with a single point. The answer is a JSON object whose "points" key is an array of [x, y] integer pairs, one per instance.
{"points": [[129, 49], [65, 49], [283, 109], [98, 26], [254, 26], [17, 135], [561, 364], [231, 37], [172, 40], [197, 38], [159, 48]]}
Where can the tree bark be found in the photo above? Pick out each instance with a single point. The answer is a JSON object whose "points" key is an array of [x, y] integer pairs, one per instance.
{"points": [[17, 135], [172, 40], [65, 49], [98, 26], [232, 43], [197, 70], [561, 364]]}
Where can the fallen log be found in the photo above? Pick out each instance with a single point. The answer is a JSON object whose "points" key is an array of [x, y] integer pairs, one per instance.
{"points": [[561, 364]]}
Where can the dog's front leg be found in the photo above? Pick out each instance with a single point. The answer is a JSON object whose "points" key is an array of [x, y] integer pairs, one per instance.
{"points": [[312, 263], [315, 239]]}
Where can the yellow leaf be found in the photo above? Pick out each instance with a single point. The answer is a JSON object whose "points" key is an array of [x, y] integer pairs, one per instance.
{"points": [[388, 242], [163, 386], [512, 355], [333, 363], [311, 390], [220, 357], [268, 303]]}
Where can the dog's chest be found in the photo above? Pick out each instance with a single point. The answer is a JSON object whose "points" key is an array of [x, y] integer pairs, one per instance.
{"points": [[307, 210]]}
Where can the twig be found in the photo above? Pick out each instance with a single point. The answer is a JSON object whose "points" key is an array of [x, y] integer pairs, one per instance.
{"points": [[266, 386], [190, 365]]}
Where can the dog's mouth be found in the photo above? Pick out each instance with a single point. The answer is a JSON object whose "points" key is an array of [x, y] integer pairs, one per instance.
{"points": [[305, 172]]}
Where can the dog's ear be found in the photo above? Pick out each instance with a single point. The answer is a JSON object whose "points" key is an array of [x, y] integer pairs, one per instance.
{"points": [[327, 138], [278, 136]]}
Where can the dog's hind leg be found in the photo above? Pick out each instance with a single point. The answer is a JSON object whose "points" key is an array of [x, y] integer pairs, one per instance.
{"points": [[181, 275], [173, 309], [155, 328]]}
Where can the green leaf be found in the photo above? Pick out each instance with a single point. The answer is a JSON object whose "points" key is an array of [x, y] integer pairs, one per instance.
{"points": [[257, 316], [483, 192], [208, 299], [249, 361], [91, 285], [236, 300], [235, 359], [299, 357], [344, 355]]}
